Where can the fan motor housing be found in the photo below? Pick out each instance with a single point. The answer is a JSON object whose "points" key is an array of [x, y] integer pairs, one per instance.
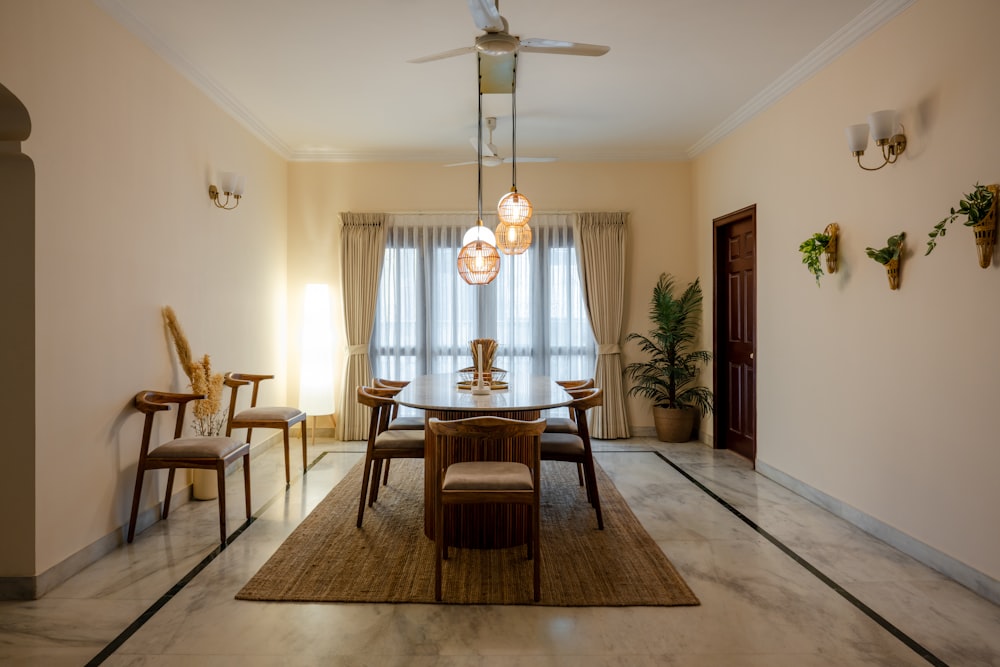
{"points": [[497, 43]]}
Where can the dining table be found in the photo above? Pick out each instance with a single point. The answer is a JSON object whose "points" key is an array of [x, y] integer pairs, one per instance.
{"points": [[445, 396]]}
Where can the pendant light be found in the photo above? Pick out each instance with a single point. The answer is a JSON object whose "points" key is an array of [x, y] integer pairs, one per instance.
{"points": [[478, 260], [514, 208]]}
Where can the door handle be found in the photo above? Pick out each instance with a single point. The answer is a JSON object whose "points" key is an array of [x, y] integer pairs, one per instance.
{"points": [[751, 356]]}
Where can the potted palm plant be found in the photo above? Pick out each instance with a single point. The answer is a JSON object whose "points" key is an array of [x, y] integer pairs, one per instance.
{"points": [[669, 377]]}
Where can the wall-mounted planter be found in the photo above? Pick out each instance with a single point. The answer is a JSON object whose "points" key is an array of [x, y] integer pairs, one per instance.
{"points": [[891, 257], [825, 244], [833, 231], [892, 271], [979, 208], [986, 230]]}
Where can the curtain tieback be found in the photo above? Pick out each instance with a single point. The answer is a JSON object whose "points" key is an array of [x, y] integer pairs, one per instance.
{"points": [[357, 349], [609, 348]]}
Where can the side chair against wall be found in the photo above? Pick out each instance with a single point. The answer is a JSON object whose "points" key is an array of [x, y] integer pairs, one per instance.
{"points": [[282, 418], [397, 423], [203, 452], [478, 482], [575, 447], [383, 444]]}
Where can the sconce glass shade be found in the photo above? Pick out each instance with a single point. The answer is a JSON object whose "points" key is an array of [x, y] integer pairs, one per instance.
{"points": [[513, 239], [857, 138], [514, 208], [479, 232], [478, 263], [883, 125]]}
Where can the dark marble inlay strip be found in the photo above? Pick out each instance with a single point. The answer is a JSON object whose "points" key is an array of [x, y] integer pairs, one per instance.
{"points": [[117, 642], [840, 590]]}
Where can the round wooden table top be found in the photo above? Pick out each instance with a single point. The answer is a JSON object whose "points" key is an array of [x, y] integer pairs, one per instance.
{"points": [[441, 393]]}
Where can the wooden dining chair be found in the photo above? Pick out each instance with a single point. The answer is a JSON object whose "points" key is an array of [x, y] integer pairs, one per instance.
{"points": [[568, 424], [397, 423], [487, 481], [199, 452], [281, 418], [575, 447], [383, 444]]}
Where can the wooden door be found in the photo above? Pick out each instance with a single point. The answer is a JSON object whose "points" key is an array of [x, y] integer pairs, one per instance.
{"points": [[734, 337]]}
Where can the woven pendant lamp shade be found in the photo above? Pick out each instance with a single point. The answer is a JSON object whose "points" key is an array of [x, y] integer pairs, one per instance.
{"points": [[478, 263], [514, 208], [513, 239]]}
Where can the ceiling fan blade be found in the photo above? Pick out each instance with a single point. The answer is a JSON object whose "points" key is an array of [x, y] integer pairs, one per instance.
{"points": [[486, 15], [536, 45], [443, 54], [519, 160], [489, 150], [488, 161]]}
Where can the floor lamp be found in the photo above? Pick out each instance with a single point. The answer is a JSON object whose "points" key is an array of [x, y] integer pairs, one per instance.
{"points": [[316, 369]]}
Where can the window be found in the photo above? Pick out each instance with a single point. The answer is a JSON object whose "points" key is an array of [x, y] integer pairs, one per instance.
{"points": [[426, 314]]}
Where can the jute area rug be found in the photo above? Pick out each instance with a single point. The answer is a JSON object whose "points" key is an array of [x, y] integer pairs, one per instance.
{"points": [[328, 559]]}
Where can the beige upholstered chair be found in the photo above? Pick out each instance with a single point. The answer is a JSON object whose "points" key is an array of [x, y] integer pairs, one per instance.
{"points": [[203, 452], [281, 418], [575, 447], [477, 482], [383, 444]]}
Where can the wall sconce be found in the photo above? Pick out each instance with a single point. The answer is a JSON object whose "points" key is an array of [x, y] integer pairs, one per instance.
{"points": [[883, 127], [232, 187]]}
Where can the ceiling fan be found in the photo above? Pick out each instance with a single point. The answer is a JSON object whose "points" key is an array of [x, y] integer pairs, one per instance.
{"points": [[497, 41], [491, 156]]}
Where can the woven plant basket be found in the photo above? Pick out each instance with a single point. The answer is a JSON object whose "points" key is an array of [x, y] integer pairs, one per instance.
{"points": [[892, 270], [832, 230], [986, 232]]}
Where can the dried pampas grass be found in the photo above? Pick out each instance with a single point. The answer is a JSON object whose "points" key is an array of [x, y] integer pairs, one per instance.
{"points": [[208, 415]]}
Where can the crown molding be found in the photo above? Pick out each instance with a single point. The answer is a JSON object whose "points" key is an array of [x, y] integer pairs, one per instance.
{"points": [[206, 84], [865, 23]]}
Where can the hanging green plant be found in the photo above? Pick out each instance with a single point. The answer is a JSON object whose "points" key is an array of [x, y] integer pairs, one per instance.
{"points": [[978, 207], [889, 256], [817, 244]]}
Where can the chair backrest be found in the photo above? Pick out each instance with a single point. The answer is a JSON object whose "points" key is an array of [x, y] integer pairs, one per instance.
{"points": [[150, 402], [583, 400], [379, 399], [575, 384], [490, 428], [236, 380]]}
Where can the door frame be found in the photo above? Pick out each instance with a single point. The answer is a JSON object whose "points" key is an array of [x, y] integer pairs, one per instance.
{"points": [[720, 379]]}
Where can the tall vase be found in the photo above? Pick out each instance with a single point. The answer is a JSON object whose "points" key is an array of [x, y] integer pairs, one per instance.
{"points": [[205, 484], [892, 271]]}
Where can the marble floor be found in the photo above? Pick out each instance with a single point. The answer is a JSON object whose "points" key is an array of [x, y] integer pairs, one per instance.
{"points": [[781, 583]]}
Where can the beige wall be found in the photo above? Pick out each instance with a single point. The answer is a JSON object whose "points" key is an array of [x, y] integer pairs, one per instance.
{"points": [[124, 149], [658, 196], [884, 400]]}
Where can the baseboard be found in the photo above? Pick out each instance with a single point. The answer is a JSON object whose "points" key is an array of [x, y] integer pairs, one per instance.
{"points": [[978, 582], [32, 588]]}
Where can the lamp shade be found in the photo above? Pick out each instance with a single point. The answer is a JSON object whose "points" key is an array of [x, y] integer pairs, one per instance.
{"points": [[316, 370], [513, 239], [478, 263], [514, 208], [882, 124], [479, 232], [857, 138]]}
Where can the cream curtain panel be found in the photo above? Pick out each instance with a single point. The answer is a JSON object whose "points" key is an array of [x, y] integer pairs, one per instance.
{"points": [[600, 245], [362, 246]]}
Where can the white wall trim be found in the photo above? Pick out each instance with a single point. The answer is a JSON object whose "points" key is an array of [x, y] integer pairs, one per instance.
{"points": [[978, 582]]}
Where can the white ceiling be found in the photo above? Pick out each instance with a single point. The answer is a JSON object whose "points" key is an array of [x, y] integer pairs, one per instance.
{"points": [[329, 79]]}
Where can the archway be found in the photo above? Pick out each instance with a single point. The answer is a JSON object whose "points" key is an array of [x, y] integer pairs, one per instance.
{"points": [[17, 351]]}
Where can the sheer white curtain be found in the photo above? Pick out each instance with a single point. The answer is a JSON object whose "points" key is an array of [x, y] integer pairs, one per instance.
{"points": [[426, 314]]}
